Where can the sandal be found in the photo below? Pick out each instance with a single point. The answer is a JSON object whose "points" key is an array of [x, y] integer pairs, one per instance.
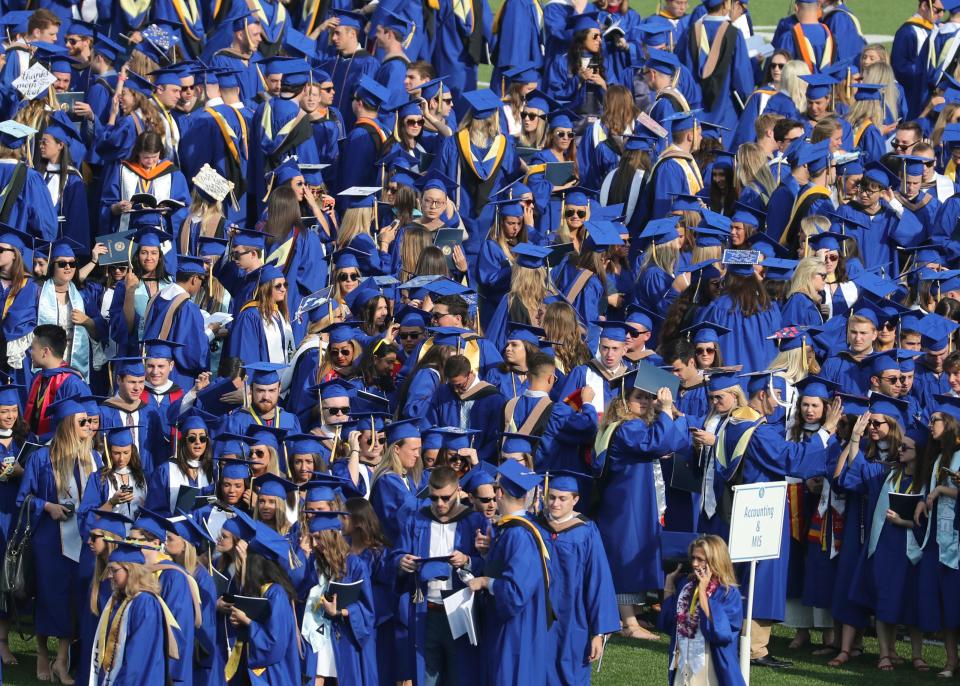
{"points": [[947, 672], [639, 633], [920, 664], [885, 664], [840, 660]]}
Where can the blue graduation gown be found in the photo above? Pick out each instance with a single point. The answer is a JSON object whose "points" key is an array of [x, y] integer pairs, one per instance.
{"points": [[654, 289], [193, 357], [816, 35], [590, 303], [909, 62], [176, 593], [876, 245], [665, 180], [847, 372], [584, 600], [927, 384], [737, 82], [144, 661], [394, 498], [88, 626], [248, 338], [577, 379], [781, 204], [205, 635], [72, 206], [345, 71], [19, 320], [514, 614], [272, 645], [747, 342], [628, 517], [112, 194], [151, 443], [451, 54], [390, 75], [517, 38], [566, 432], [486, 414], [800, 310], [420, 393], [303, 276], [159, 491], [494, 272], [721, 631], [55, 573], [846, 32], [249, 76], [32, 211], [595, 155]]}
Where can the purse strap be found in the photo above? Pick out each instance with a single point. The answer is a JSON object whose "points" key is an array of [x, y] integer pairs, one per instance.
{"points": [[21, 533]]}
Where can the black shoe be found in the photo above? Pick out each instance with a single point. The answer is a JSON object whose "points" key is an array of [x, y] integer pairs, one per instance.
{"points": [[770, 661]]}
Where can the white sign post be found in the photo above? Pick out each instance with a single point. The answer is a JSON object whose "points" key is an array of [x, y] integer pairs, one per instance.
{"points": [[756, 530]]}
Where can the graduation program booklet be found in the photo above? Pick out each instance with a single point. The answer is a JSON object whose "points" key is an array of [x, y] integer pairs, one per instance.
{"points": [[118, 247], [346, 593], [459, 609], [904, 504], [257, 609]]}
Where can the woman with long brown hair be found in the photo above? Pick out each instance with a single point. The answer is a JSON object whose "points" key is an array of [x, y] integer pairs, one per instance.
{"points": [[753, 180], [603, 140], [521, 84], [745, 309], [262, 331], [19, 317], [121, 486], [560, 324], [295, 251], [132, 113], [54, 480], [622, 184], [496, 259], [560, 147]]}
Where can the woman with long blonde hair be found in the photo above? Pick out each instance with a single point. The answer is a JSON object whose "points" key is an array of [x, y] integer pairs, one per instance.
{"points": [[805, 296], [205, 218], [752, 176], [529, 287], [707, 597], [399, 476], [105, 529], [866, 117], [657, 284], [573, 219], [54, 480], [533, 122], [635, 430], [882, 73], [341, 359], [496, 259], [261, 331]]}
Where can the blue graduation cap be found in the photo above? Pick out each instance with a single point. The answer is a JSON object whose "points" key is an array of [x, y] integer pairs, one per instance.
{"points": [[432, 88], [455, 438], [561, 119], [118, 436], [167, 76], [767, 246], [371, 93], [324, 520], [530, 255], [483, 474], [827, 240], [269, 436], [682, 121], [879, 362], [522, 73], [152, 523], [662, 61], [747, 214], [706, 332], [64, 247], [817, 387], [437, 180], [359, 197], [242, 17], [233, 467], [399, 430], [655, 30], [516, 479], [264, 373], [935, 331], [128, 366], [15, 238], [778, 269], [880, 174], [889, 407], [721, 380], [868, 91], [819, 85], [393, 21], [763, 380], [566, 480], [913, 164], [407, 315], [138, 83], [585, 21], [524, 332], [110, 522], [600, 236], [482, 103], [10, 394], [16, 20], [211, 246], [271, 484], [641, 316], [13, 134], [286, 171], [349, 18], [188, 264], [127, 553], [341, 332], [612, 330], [947, 404], [151, 237], [634, 142], [661, 231]]}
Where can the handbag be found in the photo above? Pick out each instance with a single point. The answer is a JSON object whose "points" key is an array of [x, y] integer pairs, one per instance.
{"points": [[16, 574]]}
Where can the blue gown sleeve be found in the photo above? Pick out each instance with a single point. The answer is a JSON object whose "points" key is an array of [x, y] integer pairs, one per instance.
{"points": [[514, 587], [267, 641], [726, 617], [493, 269], [41, 217], [423, 386]]}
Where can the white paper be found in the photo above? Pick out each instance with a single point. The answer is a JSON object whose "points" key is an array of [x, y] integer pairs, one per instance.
{"points": [[212, 183], [215, 521], [216, 318], [360, 191], [34, 81], [459, 609], [757, 46]]}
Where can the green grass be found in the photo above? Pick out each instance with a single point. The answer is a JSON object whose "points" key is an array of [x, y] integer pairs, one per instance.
{"points": [[630, 662]]}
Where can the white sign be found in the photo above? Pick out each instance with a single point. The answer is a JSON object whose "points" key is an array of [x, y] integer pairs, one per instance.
{"points": [[34, 81], [756, 523], [210, 182]]}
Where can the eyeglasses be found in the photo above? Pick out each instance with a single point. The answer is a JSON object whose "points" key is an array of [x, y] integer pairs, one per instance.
{"points": [[71, 40], [196, 439], [433, 203], [575, 213], [877, 423], [413, 122], [715, 398], [413, 335], [867, 190], [830, 257], [345, 276], [282, 286], [705, 350], [531, 115], [337, 410], [66, 264], [237, 254], [485, 501], [119, 267], [938, 10], [442, 498], [563, 134], [341, 352]]}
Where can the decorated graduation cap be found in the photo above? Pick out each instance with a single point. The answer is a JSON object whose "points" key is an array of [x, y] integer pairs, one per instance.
{"points": [[817, 387], [819, 85], [264, 373], [889, 407], [706, 332], [483, 103], [741, 262], [516, 479], [271, 484], [662, 61]]}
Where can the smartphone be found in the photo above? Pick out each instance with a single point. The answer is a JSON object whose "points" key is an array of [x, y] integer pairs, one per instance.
{"points": [[126, 489]]}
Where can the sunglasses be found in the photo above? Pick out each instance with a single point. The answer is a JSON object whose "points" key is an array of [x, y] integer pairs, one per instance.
{"points": [[448, 101], [328, 89], [705, 351], [8, 250], [576, 213], [280, 286], [347, 277], [777, 65], [485, 501], [337, 410], [901, 146], [237, 254], [892, 379], [66, 264], [832, 258], [530, 115], [822, 275], [441, 498], [563, 134], [633, 333], [94, 537], [259, 452], [437, 316], [409, 336], [413, 122], [877, 423], [341, 352], [196, 439], [889, 326], [84, 422]]}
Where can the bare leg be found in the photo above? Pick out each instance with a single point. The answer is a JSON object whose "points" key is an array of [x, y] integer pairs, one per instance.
{"points": [[43, 659], [6, 656], [61, 667]]}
